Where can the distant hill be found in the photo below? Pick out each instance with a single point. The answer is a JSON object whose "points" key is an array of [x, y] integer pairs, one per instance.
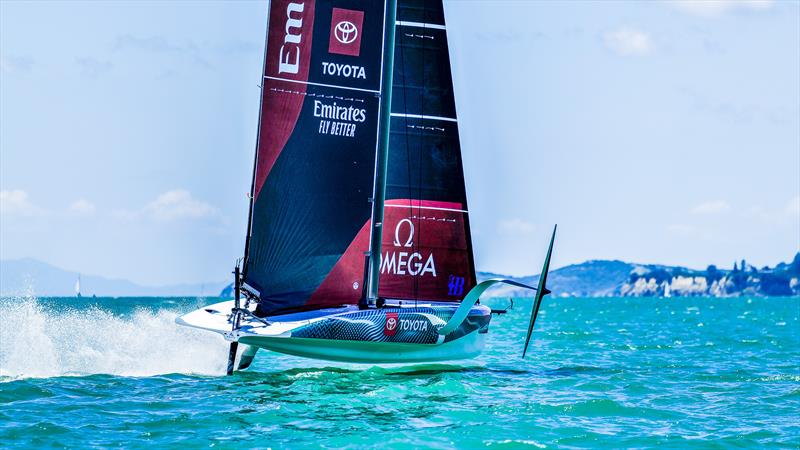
{"points": [[29, 276], [588, 279], [616, 278]]}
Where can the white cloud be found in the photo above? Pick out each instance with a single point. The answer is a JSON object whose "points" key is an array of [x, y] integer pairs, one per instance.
{"points": [[516, 226], [714, 8], [82, 206], [712, 207], [628, 42], [792, 208], [178, 204], [16, 202]]}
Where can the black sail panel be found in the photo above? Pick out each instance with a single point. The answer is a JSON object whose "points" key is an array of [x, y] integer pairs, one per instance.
{"points": [[316, 148], [426, 251]]}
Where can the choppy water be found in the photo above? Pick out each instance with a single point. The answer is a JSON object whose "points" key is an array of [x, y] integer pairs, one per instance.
{"points": [[606, 372]]}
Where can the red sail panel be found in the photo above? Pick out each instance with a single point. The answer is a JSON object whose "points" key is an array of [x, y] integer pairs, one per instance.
{"points": [[425, 252], [344, 281]]}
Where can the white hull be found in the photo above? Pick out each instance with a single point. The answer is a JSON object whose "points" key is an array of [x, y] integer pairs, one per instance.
{"points": [[367, 336], [466, 347]]}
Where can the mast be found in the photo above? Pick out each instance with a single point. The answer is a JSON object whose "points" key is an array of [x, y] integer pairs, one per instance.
{"points": [[382, 153]]}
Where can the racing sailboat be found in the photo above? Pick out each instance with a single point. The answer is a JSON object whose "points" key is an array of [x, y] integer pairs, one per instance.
{"points": [[358, 246]]}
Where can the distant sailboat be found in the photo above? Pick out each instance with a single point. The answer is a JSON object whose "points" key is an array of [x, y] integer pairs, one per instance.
{"points": [[358, 246], [78, 286]]}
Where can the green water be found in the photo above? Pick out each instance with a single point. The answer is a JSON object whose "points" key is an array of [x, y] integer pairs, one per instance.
{"points": [[610, 372]]}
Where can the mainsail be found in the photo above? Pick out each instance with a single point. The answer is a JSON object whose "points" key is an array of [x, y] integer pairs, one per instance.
{"points": [[316, 156], [427, 250]]}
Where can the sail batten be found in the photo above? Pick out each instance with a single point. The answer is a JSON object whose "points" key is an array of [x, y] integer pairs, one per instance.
{"points": [[424, 117], [434, 26], [323, 85]]}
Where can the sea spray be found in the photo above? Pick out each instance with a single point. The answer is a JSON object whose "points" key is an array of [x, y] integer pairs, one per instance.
{"points": [[48, 341]]}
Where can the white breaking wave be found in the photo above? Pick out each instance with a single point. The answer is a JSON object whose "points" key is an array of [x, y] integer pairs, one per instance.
{"points": [[40, 342]]}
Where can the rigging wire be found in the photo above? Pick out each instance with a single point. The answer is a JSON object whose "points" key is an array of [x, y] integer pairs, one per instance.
{"points": [[417, 243], [406, 138]]}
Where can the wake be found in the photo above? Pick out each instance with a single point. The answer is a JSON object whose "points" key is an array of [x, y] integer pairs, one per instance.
{"points": [[39, 342]]}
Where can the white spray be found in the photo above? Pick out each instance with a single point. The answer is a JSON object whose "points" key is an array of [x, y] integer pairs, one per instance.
{"points": [[41, 342]]}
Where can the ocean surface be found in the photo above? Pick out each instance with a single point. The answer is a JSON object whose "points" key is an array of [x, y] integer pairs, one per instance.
{"points": [[601, 373]]}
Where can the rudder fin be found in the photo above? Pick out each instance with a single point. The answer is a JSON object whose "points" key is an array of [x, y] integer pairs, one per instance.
{"points": [[541, 291]]}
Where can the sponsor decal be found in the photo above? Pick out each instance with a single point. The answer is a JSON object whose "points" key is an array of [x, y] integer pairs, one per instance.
{"points": [[455, 285], [343, 70], [337, 120], [413, 325], [346, 26], [392, 322], [407, 262], [289, 54]]}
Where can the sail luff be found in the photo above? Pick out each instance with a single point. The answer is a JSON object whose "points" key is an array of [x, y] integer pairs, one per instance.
{"points": [[248, 235], [467, 226], [382, 157]]}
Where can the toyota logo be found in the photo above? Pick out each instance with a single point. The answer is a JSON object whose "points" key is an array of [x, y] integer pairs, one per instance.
{"points": [[391, 323], [346, 32]]}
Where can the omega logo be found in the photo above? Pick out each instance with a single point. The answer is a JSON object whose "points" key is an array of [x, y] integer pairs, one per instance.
{"points": [[410, 241]]}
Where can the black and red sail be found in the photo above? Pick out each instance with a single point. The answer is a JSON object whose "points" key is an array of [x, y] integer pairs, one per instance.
{"points": [[316, 146], [315, 161], [427, 253]]}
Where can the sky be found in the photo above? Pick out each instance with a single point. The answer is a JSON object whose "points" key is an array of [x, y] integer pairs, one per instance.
{"points": [[653, 132]]}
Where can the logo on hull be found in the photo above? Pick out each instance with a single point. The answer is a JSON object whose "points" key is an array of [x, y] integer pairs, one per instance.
{"points": [[390, 328], [394, 323]]}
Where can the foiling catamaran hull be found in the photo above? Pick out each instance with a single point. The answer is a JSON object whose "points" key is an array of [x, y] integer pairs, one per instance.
{"points": [[393, 334]]}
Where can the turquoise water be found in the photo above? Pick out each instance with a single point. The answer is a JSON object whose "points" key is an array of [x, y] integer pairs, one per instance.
{"points": [[610, 372]]}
